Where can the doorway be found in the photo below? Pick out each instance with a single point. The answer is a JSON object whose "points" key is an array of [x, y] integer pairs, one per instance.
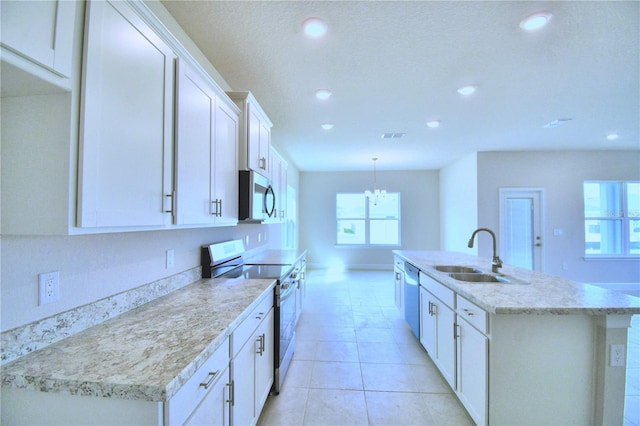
{"points": [[521, 227]]}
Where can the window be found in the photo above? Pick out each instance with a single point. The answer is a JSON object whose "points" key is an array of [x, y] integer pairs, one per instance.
{"points": [[362, 221], [612, 218]]}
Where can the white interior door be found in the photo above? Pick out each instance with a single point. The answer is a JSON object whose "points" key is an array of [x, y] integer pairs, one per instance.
{"points": [[521, 227]]}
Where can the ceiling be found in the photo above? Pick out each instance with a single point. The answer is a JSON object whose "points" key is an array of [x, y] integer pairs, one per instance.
{"points": [[394, 65]]}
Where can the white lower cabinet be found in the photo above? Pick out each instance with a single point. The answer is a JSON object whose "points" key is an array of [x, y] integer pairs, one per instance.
{"points": [[203, 398], [252, 366], [436, 334], [398, 270], [471, 387], [454, 333]]}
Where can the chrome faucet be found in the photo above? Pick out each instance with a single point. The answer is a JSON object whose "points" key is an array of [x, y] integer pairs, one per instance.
{"points": [[495, 262]]}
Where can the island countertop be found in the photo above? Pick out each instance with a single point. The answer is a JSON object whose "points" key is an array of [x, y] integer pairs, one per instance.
{"points": [[530, 292], [147, 353]]}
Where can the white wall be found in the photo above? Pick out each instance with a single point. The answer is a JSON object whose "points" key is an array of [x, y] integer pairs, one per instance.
{"points": [[459, 204], [561, 174], [419, 209]]}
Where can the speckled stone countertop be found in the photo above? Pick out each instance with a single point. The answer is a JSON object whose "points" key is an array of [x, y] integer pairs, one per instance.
{"points": [[147, 353], [529, 292]]}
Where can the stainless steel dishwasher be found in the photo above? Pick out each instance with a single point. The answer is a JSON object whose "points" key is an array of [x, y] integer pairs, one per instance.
{"points": [[412, 297]]}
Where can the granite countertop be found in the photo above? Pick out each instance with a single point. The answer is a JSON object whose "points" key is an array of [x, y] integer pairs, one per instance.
{"points": [[529, 293], [147, 353]]}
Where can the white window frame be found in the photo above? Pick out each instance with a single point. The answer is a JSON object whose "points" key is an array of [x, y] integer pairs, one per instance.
{"points": [[367, 221], [625, 224]]}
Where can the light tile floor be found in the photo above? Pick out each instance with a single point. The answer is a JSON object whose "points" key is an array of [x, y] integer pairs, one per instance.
{"points": [[357, 363]]}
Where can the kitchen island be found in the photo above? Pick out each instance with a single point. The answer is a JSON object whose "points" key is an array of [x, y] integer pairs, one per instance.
{"points": [[535, 350]]}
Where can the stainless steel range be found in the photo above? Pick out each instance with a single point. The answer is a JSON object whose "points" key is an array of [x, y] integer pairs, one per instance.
{"points": [[225, 260]]}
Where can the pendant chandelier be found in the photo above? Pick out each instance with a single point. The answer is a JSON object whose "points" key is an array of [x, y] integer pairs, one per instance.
{"points": [[376, 193]]}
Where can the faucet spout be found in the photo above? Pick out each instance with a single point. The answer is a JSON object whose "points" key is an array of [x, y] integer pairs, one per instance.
{"points": [[496, 262]]}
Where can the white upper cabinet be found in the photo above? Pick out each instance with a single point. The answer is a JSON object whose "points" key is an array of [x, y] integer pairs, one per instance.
{"points": [[225, 160], [41, 32], [255, 134], [206, 153], [279, 182], [126, 123]]}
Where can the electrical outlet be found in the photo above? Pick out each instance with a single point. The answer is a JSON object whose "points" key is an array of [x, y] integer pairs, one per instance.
{"points": [[170, 259], [48, 287], [246, 241], [617, 356], [259, 237]]}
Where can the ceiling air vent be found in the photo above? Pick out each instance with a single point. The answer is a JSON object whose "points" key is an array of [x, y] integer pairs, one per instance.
{"points": [[392, 135]]}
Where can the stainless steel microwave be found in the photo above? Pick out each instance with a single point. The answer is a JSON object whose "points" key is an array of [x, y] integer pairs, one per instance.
{"points": [[257, 200]]}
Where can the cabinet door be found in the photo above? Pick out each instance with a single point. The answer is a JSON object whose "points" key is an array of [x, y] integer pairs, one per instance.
{"points": [[264, 145], [399, 286], [41, 31], [126, 125], [264, 361], [254, 160], [214, 408], [472, 370], [244, 383], [196, 103], [225, 159], [436, 334]]}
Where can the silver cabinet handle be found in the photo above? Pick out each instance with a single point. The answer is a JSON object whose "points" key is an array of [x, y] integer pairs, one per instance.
{"points": [[260, 341], [172, 208], [231, 399], [212, 377], [263, 163]]}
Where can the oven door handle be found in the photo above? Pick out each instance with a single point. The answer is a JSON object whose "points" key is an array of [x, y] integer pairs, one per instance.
{"points": [[288, 290]]}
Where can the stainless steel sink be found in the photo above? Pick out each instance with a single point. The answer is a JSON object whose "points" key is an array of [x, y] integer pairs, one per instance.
{"points": [[457, 269], [478, 278]]}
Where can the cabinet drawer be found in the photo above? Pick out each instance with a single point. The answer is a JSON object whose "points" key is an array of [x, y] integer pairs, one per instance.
{"points": [[251, 322], [475, 315], [198, 386], [440, 291]]}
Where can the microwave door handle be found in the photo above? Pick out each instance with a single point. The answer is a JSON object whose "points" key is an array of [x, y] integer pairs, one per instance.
{"points": [[268, 210]]}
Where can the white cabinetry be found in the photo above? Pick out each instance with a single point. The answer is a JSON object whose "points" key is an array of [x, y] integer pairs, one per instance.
{"points": [[255, 134], [39, 108], [436, 328], [39, 32], [252, 363], [206, 154], [472, 348], [203, 399], [279, 182], [453, 331], [126, 124], [398, 270]]}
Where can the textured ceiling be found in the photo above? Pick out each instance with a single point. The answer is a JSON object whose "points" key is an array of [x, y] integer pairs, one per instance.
{"points": [[394, 65]]}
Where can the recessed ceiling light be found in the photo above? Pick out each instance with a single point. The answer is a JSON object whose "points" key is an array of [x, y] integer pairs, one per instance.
{"points": [[556, 123], [467, 90], [314, 27], [323, 94], [535, 21], [612, 136], [327, 126], [433, 123]]}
